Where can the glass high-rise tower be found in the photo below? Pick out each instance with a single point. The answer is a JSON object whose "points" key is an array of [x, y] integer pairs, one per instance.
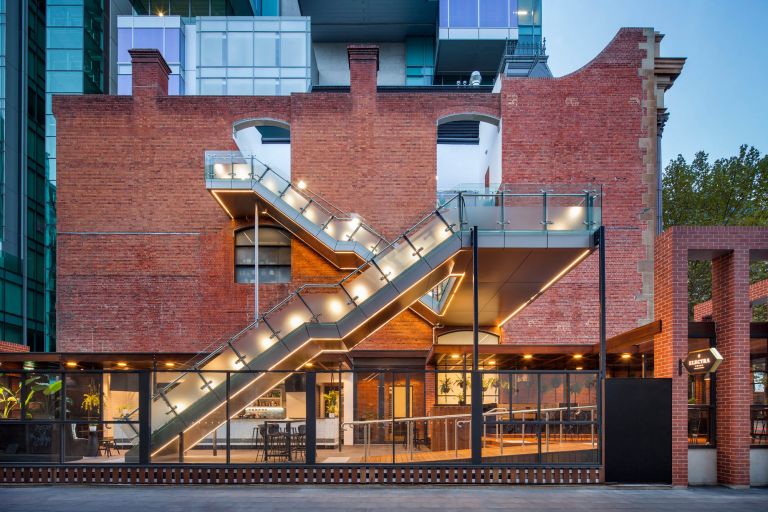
{"points": [[24, 188]]}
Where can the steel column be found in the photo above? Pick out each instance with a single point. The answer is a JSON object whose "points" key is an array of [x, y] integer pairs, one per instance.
{"points": [[477, 387]]}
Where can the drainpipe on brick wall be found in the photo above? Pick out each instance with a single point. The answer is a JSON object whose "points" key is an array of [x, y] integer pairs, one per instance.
{"points": [[661, 119], [256, 263]]}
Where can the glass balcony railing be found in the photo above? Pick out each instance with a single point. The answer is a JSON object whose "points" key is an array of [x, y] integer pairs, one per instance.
{"points": [[524, 208]]}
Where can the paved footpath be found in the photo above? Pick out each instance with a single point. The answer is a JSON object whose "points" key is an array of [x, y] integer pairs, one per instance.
{"points": [[65, 498]]}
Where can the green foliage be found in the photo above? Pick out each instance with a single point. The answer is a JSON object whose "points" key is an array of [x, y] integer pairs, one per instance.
{"points": [[331, 402], [91, 400], [11, 397], [727, 192], [446, 385]]}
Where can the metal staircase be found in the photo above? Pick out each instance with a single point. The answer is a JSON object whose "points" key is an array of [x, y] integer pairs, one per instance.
{"points": [[420, 265]]}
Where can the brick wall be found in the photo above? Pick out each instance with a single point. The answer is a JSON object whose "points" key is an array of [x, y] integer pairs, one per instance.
{"points": [[145, 253], [730, 249], [590, 127], [7, 346], [757, 291]]}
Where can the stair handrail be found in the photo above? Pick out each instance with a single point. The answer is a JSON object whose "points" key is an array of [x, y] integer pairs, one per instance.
{"points": [[322, 202], [220, 346], [197, 366], [457, 424]]}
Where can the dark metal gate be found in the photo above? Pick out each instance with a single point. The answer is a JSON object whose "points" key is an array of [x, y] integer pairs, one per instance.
{"points": [[638, 430]]}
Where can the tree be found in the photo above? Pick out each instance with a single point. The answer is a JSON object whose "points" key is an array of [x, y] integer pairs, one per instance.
{"points": [[728, 192]]}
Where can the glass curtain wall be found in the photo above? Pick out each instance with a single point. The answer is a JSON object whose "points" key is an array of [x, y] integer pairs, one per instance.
{"points": [[85, 416], [230, 56], [262, 57], [191, 8]]}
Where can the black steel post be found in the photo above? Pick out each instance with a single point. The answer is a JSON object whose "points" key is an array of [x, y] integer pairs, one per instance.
{"points": [[601, 383], [229, 426], [311, 423], [601, 241], [477, 386], [145, 420]]}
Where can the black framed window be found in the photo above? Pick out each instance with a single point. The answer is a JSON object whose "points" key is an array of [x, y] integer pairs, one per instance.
{"points": [[274, 255], [758, 366], [701, 401]]}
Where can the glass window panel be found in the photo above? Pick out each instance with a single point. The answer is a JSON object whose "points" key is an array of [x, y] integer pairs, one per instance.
{"points": [[246, 26], [244, 237], [463, 13], [64, 60], [148, 38], [172, 45], [174, 85], [494, 13], [178, 8], [245, 255], [239, 87], [284, 255], [267, 72], [213, 72], [65, 37], [294, 26], [265, 49], [273, 236], [212, 86], [245, 275], [65, 16], [22, 443], [124, 83], [274, 274], [444, 13], [65, 81], [269, 255], [288, 86], [200, 7], [268, 26], [212, 49], [293, 72], [213, 25], [240, 49], [293, 49], [264, 87], [758, 428]]}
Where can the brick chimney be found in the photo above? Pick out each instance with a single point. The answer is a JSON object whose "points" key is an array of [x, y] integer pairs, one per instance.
{"points": [[150, 73], [363, 67]]}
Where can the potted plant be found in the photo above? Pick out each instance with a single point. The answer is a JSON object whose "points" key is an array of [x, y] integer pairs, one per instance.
{"points": [[91, 403], [331, 403], [446, 385], [11, 398]]}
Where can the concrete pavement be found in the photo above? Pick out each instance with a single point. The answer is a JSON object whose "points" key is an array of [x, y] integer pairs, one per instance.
{"points": [[65, 498]]}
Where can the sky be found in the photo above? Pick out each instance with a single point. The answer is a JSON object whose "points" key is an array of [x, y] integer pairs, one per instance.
{"points": [[721, 99]]}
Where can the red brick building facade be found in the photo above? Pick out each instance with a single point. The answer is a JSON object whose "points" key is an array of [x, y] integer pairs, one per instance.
{"points": [[730, 249], [145, 254]]}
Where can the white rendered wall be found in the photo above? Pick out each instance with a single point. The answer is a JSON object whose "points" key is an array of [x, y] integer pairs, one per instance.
{"points": [[462, 164], [702, 466], [758, 466], [333, 63], [276, 156]]}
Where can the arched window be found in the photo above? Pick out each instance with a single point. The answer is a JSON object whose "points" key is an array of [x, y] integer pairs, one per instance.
{"points": [[274, 255]]}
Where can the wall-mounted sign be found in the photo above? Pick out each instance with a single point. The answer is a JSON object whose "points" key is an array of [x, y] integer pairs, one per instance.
{"points": [[702, 361]]}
